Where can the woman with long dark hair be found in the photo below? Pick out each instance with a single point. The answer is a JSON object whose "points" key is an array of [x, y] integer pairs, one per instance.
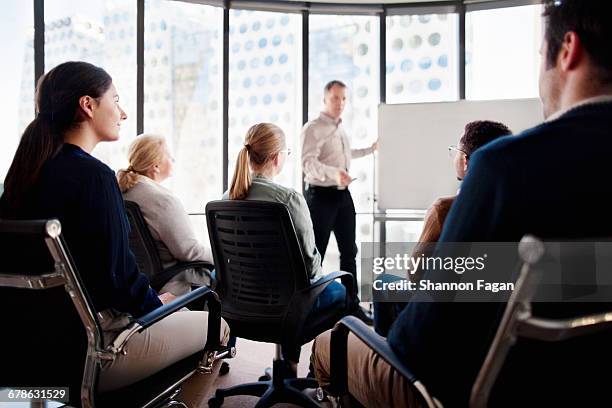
{"points": [[53, 175]]}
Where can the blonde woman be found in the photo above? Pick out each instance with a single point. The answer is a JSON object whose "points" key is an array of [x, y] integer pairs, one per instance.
{"points": [[150, 163], [260, 160]]}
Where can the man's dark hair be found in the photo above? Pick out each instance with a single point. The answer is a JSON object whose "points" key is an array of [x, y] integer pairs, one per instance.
{"points": [[331, 84], [590, 20], [481, 132]]}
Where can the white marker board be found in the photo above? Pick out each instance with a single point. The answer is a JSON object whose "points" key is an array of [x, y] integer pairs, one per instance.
{"points": [[413, 165]]}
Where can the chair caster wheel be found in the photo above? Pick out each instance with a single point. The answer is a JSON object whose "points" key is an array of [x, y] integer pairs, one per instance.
{"points": [[225, 368], [320, 395], [215, 402], [267, 375]]}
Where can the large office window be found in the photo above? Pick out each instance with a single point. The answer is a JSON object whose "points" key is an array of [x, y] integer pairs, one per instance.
{"points": [[102, 33], [513, 73], [422, 55], [16, 77], [184, 94], [265, 81]]}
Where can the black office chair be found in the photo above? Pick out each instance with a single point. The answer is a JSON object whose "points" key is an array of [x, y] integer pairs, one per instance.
{"points": [[556, 375], [52, 335], [264, 289], [553, 348], [143, 246]]}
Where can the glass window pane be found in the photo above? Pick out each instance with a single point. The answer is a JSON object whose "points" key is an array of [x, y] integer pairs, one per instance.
{"points": [[102, 33], [403, 231], [346, 48], [183, 81], [265, 82], [16, 77], [517, 31], [422, 58]]}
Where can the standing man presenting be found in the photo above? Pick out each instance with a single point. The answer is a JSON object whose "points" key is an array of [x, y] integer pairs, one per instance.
{"points": [[326, 159]]}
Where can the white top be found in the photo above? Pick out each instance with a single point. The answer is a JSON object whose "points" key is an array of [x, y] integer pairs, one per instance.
{"points": [[325, 150], [168, 222]]}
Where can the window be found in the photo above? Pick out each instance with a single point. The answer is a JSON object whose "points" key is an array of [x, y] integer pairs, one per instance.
{"points": [[422, 58], [513, 73], [16, 78], [183, 84], [265, 82], [102, 33]]}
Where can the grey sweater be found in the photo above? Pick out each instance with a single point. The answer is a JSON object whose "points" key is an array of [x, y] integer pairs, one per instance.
{"points": [[266, 190], [168, 222]]}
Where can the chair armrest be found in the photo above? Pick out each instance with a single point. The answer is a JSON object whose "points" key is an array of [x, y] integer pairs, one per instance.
{"points": [[339, 358], [164, 276], [345, 277], [303, 300], [339, 347], [143, 322]]}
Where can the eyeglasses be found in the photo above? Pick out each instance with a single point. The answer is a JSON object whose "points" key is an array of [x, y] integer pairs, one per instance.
{"points": [[453, 150], [287, 150]]}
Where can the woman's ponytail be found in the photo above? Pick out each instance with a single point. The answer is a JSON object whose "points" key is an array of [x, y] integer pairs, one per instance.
{"points": [[127, 178], [241, 181], [38, 144], [261, 143]]}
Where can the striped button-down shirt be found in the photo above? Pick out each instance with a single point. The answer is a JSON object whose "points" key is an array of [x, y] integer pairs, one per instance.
{"points": [[325, 150]]}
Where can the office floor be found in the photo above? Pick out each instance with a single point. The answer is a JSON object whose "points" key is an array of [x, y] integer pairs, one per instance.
{"points": [[248, 365]]}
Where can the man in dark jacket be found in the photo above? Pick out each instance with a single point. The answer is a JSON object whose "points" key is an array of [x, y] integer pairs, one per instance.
{"points": [[550, 181]]}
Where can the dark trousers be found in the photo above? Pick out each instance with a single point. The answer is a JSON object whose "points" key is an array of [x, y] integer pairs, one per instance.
{"points": [[333, 210], [386, 311]]}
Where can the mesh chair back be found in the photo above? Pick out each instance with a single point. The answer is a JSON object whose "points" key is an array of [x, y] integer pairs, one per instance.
{"points": [[141, 242], [258, 260], [44, 337]]}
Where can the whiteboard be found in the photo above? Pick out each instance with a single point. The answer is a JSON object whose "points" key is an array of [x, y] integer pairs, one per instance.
{"points": [[413, 165]]}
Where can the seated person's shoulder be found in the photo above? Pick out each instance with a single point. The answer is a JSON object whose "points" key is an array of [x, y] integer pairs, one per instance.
{"points": [[508, 147], [79, 168], [286, 194], [442, 203], [293, 195], [152, 197], [436, 214]]}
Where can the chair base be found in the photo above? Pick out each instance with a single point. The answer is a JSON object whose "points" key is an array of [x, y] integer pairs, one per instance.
{"points": [[272, 391]]}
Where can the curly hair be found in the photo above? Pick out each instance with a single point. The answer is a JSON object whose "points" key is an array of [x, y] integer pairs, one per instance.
{"points": [[481, 132]]}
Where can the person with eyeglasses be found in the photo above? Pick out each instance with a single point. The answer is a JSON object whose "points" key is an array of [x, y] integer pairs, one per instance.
{"points": [[150, 163], [259, 161], [476, 135], [326, 159]]}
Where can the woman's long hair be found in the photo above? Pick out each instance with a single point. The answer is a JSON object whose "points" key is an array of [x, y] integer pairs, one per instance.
{"points": [[261, 143], [145, 152], [57, 106]]}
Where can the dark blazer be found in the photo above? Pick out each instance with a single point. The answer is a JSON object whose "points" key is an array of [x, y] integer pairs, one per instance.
{"points": [[551, 181], [82, 192]]}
